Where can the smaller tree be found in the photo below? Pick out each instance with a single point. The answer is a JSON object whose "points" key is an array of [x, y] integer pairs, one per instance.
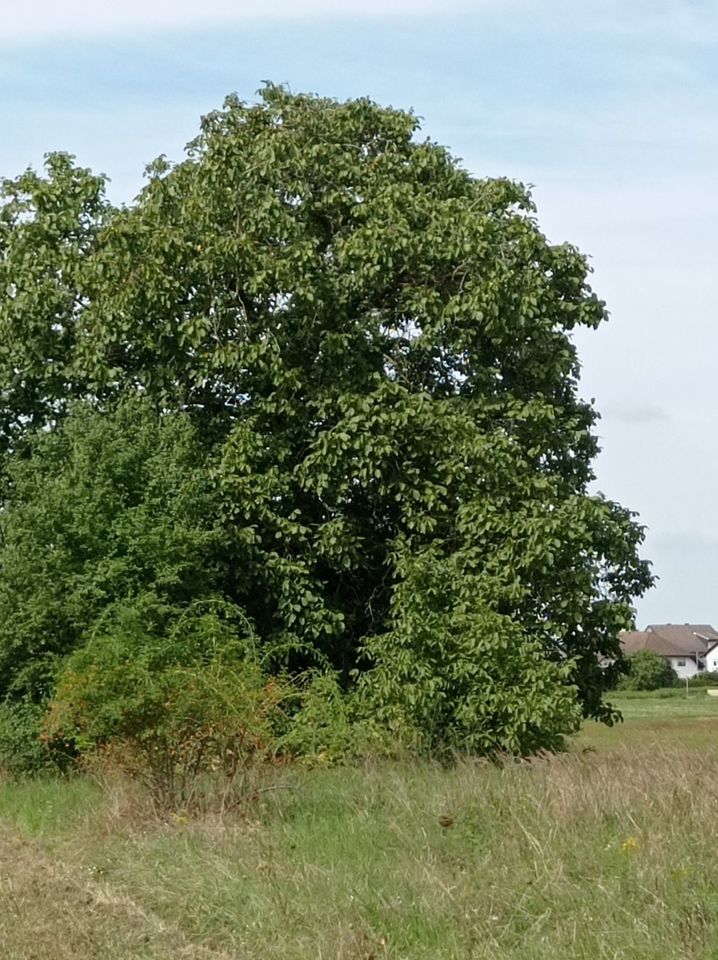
{"points": [[647, 671]]}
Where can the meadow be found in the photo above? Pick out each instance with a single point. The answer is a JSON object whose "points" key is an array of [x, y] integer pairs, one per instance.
{"points": [[605, 852]]}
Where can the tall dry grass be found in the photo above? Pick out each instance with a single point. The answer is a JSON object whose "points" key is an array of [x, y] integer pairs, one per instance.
{"points": [[595, 856]]}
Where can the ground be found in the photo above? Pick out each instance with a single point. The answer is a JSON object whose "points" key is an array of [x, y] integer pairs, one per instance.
{"points": [[606, 852]]}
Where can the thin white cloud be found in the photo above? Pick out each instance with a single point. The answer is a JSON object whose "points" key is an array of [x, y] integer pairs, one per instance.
{"points": [[687, 20], [635, 414], [38, 19]]}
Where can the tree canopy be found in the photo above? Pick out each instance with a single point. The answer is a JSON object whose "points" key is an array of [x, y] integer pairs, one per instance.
{"points": [[320, 372]]}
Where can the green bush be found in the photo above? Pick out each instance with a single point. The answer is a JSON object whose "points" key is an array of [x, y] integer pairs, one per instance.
{"points": [[107, 508], [22, 748], [189, 712], [326, 724], [647, 670], [662, 693], [459, 676], [706, 679]]}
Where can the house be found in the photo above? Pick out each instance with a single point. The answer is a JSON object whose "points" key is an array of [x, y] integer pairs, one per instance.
{"points": [[712, 657], [690, 648]]}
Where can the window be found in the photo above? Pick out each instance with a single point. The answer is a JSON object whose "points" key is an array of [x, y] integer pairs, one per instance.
{"points": [[680, 663]]}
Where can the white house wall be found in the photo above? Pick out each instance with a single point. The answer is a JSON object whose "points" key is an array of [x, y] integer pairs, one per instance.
{"points": [[712, 660], [684, 666]]}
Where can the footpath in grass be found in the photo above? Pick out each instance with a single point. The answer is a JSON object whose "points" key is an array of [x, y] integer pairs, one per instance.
{"points": [[604, 853], [51, 910]]}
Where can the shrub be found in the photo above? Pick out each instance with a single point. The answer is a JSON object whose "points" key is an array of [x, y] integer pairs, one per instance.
{"points": [[662, 693], [461, 676], [326, 724], [647, 671], [189, 713], [107, 508], [22, 750], [706, 679]]}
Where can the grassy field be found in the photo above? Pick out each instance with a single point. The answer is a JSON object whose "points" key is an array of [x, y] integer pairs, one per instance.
{"points": [[671, 719], [606, 852]]}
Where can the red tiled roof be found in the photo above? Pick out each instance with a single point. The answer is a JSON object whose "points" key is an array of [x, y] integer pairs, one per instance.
{"points": [[671, 640]]}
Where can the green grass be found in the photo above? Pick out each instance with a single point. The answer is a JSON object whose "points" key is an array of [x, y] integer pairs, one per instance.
{"points": [[657, 719], [44, 807], [601, 854]]}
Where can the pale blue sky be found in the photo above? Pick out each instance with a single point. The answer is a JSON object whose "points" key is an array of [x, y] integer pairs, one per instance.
{"points": [[608, 108]]}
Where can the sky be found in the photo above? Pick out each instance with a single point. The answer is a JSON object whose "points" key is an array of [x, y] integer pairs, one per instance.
{"points": [[607, 108]]}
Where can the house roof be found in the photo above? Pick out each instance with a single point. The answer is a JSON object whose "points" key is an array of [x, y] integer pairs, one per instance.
{"points": [[671, 640]]}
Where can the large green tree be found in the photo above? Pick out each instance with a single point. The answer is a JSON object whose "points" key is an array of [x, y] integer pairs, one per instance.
{"points": [[375, 350]]}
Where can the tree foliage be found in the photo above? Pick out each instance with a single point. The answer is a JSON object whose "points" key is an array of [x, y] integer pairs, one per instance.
{"points": [[646, 670], [326, 376], [104, 510]]}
